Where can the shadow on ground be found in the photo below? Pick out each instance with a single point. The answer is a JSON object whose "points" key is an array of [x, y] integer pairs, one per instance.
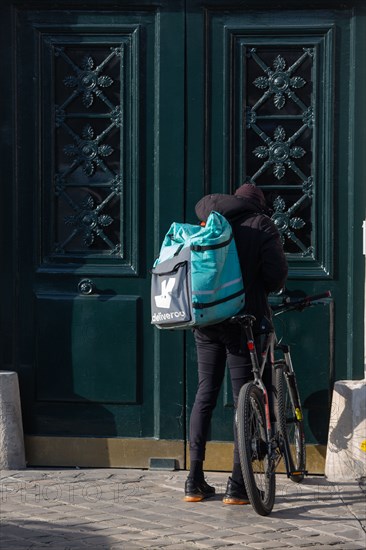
{"points": [[33, 534]]}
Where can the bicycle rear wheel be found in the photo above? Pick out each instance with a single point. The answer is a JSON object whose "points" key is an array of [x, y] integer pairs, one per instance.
{"points": [[290, 421], [257, 466]]}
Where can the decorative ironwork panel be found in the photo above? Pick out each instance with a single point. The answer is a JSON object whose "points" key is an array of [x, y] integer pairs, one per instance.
{"points": [[90, 118], [279, 137], [282, 93], [88, 163]]}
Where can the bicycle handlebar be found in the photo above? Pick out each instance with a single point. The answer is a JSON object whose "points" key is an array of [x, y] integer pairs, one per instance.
{"points": [[300, 303]]}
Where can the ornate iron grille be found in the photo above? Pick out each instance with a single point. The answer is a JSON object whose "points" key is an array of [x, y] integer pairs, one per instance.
{"points": [[279, 121], [88, 143]]}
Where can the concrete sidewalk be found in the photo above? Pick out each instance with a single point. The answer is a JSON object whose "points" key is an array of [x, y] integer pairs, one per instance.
{"points": [[71, 509]]}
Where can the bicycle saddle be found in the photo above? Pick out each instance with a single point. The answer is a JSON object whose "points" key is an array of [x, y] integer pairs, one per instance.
{"points": [[243, 318]]}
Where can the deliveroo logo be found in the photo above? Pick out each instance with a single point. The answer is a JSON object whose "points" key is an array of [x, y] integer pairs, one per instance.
{"points": [[165, 298]]}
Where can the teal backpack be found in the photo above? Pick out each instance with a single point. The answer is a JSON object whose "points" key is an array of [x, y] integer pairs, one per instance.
{"points": [[196, 280]]}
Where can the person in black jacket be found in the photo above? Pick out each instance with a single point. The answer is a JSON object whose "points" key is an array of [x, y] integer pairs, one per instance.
{"points": [[264, 269]]}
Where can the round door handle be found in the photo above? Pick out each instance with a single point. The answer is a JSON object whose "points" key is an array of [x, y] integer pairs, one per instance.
{"points": [[86, 286]]}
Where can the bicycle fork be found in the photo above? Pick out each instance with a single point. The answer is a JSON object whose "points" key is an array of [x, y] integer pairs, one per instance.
{"points": [[288, 372], [291, 379]]}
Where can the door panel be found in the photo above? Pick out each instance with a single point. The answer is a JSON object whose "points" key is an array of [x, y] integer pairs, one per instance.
{"points": [[85, 108], [267, 103], [85, 346], [95, 170]]}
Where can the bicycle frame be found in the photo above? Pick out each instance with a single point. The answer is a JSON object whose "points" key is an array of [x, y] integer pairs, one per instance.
{"points": [[269, 418], [268, 353]]}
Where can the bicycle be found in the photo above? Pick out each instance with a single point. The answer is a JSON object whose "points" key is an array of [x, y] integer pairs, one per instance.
{"points": [[269, 421]]}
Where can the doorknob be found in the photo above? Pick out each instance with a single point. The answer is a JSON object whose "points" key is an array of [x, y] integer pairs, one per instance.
{"points": [[86, 286]]}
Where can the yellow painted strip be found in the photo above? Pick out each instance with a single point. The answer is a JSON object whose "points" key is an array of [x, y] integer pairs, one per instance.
{"points": [[100, 452], [219, 458], [136, 452], [363, 446]]}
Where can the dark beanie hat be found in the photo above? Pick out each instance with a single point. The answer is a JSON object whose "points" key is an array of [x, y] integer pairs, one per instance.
{"points": [[251, 192]]}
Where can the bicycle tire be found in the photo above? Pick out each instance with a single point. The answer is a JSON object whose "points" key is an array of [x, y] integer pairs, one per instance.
{"points": [[290, 422], [257, 466]]}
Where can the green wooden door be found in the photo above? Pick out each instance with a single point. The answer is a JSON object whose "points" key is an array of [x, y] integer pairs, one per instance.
{"points": [[92, 175], [117, 118], [272, 96]]}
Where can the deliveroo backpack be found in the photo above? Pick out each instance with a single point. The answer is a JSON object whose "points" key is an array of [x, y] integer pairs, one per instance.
{"points": [[196, 280]]}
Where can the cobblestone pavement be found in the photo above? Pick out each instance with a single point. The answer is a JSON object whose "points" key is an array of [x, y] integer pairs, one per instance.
{"points": [[112, 509]]}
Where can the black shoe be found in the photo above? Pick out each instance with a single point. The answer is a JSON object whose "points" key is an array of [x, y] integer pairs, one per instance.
{"points": [[197, 490], [235, 493]]}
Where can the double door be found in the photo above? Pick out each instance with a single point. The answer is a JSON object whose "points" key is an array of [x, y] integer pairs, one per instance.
{"points": [[117, 118]]}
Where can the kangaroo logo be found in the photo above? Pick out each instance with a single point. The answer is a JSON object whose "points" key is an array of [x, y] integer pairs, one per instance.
{"points": [[165, 298]]}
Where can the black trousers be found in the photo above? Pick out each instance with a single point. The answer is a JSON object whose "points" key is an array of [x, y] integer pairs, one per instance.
{"points": [[216, 346]]}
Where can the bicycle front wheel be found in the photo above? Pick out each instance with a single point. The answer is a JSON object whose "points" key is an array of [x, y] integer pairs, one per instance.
{"points": [[256, 464], [291, 425]]}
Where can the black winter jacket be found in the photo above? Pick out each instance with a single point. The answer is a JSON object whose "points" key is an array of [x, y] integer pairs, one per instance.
{"points": [[262, 259]]}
